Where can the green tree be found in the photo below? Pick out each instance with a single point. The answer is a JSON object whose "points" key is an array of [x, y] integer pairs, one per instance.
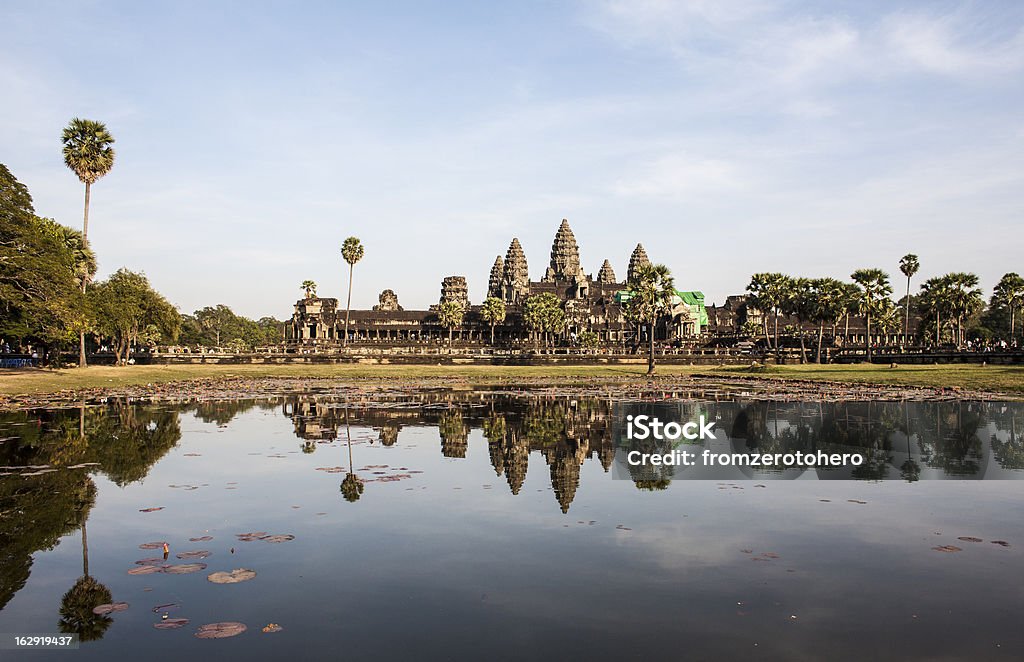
{"points": [[651, 297], [493, 312], [309, 287], [352, 250], [217, 320], [937, 301], [966, 299], [1009, 295], [798, 301], [909, 265], [451, 314], [828, 297], [124, 305], [88, 152], [874, 292], [767, 292], [544, 315]]}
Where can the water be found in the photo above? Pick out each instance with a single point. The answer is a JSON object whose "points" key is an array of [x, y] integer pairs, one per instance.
{"points": [[491, 526]]}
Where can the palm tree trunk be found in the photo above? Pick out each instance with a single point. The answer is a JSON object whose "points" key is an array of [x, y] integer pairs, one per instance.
{"points": [[1012, 321], [767, 338], [867, 334], [938, 329], [85, 277], [776, 336], [821, 334], [492, 335], [650, 356], [906, 325], [348, 306], [85, 551]]}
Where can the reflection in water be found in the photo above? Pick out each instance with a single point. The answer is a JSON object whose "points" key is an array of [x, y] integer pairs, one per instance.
{"points": [[49, 457]]}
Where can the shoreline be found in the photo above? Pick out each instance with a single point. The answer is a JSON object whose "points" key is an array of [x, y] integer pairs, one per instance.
{"points": [[21, 389]]}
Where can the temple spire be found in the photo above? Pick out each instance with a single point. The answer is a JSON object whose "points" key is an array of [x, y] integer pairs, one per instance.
{"points": [[636, 260], [565, 256], [606, 275], [515, 279]]}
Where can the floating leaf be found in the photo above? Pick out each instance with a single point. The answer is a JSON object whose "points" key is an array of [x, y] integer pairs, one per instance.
{"points": [[156, 560], [947, 548], [109, 608], [271, 628], [199, 554], [284, 537], [233, 577], [171, 624], [145, 570], [184, 568], [201, 539], [1001, 543], [220, 630], [153, 545], [150, 510], [169, 605], [969, 539]]}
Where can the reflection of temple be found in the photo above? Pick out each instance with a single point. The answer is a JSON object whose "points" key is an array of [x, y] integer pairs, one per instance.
{"points": [[593, 304]]}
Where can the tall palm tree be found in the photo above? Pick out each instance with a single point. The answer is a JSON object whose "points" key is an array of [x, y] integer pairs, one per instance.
{"points": [[768, 291], [827, 305], [909, 265], [351, 486], [874, 290], [352, 251], [309, 287], [1009, 294], [937, 301], [493, 312], [88, 152], [651, 295], [967, 300], [798, 301]]}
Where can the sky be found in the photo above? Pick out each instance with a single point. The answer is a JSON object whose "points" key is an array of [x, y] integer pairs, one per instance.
{"points": [[727, 137]]}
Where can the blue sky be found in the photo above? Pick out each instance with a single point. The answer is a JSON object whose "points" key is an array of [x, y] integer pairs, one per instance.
{"points": [[727, 137]]}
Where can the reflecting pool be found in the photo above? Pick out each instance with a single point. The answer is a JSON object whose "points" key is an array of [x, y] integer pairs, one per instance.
{"points": [[477, 524]]}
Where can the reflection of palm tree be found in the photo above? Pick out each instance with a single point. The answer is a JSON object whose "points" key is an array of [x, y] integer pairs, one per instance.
{"points": [[76, 615], [351, 487]]}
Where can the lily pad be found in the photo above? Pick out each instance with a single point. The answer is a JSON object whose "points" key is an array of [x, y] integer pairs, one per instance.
{"points": [[198, 554], [153, 545], [1001, 543], [145, 570], [283, 537], [969, 539], [201, 539], [235, 576], [220, 630], [150, 510], [156, 560], [184, 568], [171, 624], [949, 549], [109, 608]]}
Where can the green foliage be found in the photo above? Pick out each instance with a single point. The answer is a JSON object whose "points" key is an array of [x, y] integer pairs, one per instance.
{"points": [[125, 305], [1007, 300], [588, 339], [352, 250], [217, 326], [309, 287], [493, 311], [87, 149], [909, 265], [42, 266], [543, 314], [451, 314]]}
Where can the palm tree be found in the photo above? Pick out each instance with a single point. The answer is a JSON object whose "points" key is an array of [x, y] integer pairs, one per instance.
{"points": [[451, 314], [493, 312], [88, 152], [76, 615], [874, 290], [1009, 294], [768, 290], [799, 302], [827, 306], [352, 251], [309, 287], [651, 297], [909, 265], [937, 300], [967, 300], [351, 486]]}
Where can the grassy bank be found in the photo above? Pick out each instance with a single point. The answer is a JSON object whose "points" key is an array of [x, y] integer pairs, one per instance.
{"points": [[1008, 379]]}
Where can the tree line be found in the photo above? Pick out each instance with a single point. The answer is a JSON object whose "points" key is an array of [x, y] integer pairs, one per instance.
{"points": [[951, 308]]}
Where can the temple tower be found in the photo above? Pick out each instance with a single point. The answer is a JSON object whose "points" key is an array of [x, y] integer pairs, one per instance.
{"points": [[454, 288], [637, 259], [565, 256], [494, 283], [515, 279], [607, 274]]}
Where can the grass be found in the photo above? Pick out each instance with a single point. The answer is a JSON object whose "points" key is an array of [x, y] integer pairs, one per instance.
{"points": [[1007, 379]]}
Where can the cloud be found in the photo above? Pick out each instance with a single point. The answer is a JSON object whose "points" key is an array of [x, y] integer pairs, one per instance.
{"points": [[678, 175]]}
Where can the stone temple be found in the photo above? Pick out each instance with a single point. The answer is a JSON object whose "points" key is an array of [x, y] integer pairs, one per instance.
{"points": [[591, 305]]}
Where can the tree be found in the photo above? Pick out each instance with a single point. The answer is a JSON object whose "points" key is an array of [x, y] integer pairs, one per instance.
{"points": [[1009, 294], [828, 306], [937, 301], [874, 291], [909, 265], [451, 314], [767, 291], [493, 312], [798, 301], [125, 304], [651, 297], [88, 153], [589, 340], [216, 320], [544, 315], [309, 287], [352, 251], [42, 267], [966, 299]]}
